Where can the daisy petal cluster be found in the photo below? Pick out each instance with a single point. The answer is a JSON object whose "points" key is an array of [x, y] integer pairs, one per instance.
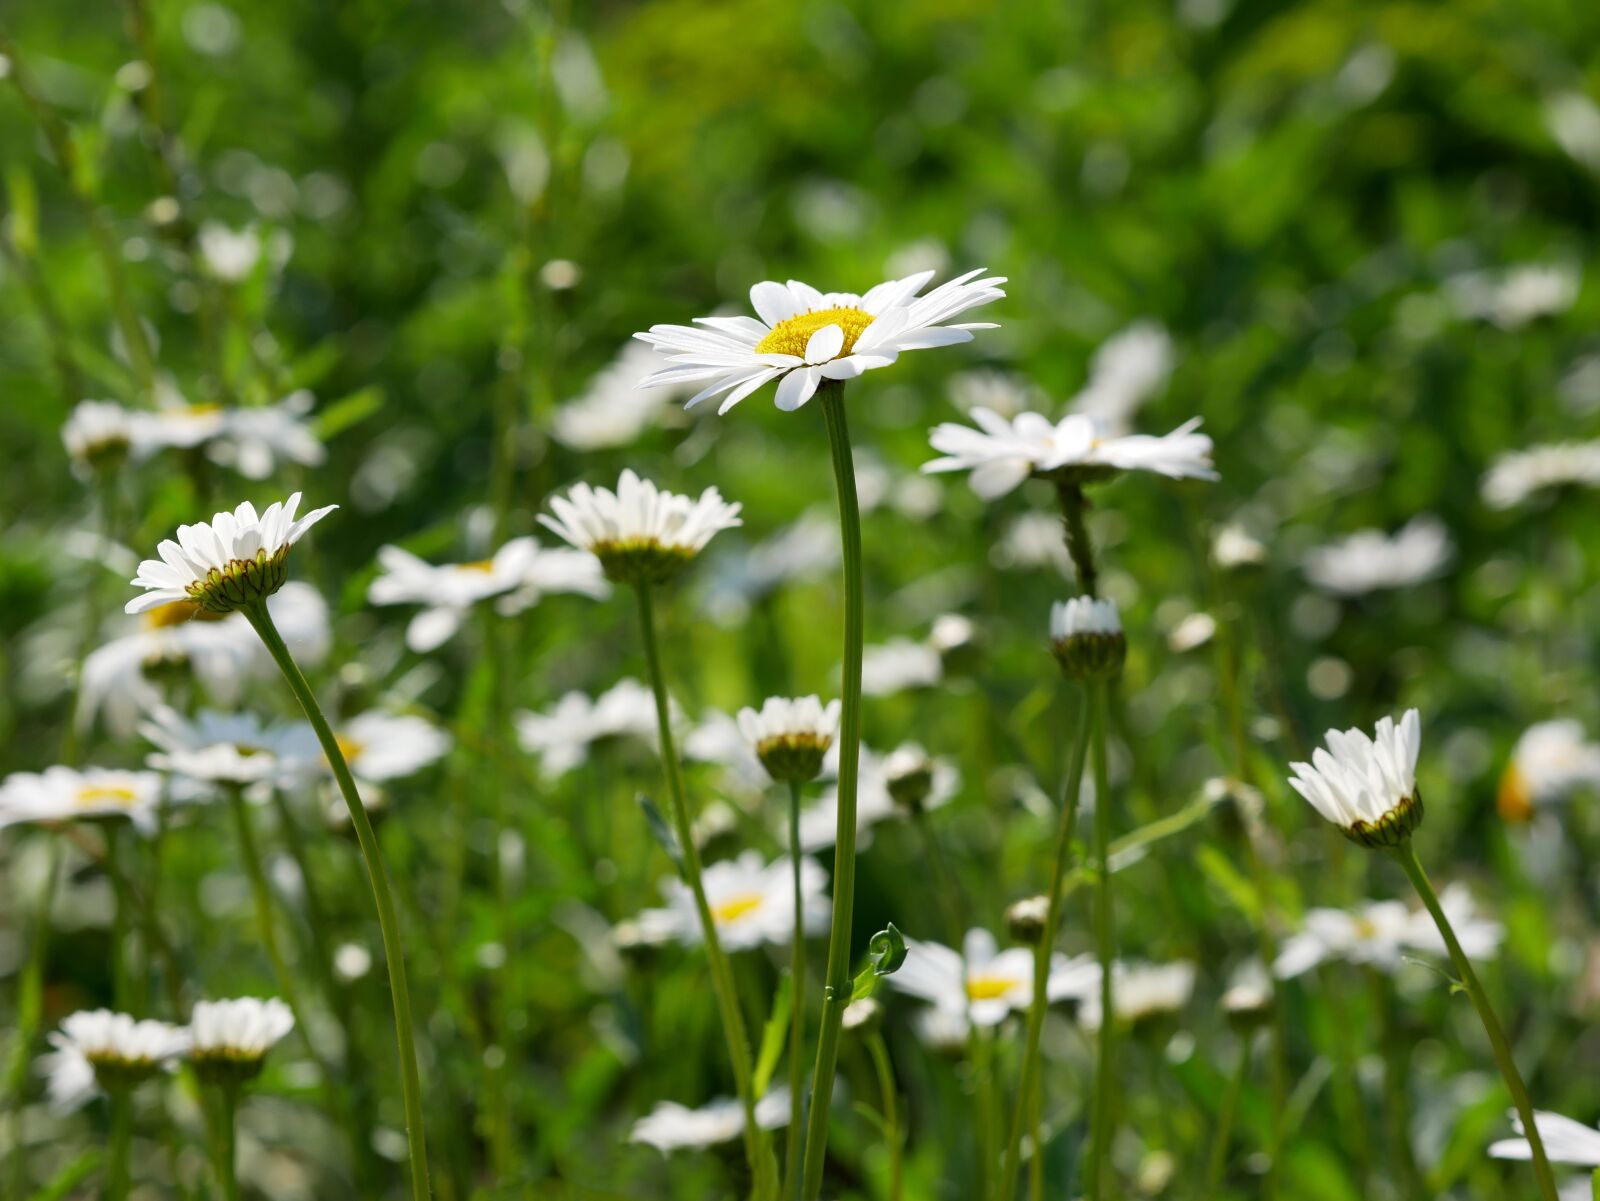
{"points": [[234, 560], [673, 1127], [100, 435], [984, 983], [229, 1040], [62, 794], [1370, 560], [1565, 1141], [1002, 453], [1086, 637], [791, 737], [751, 902], [801, 336], [1379, 934], [1516, 476], [1142, 991], [562, 735], [640, 533], [232, 749], [1551, 760], [118, 1051], [1367, 786]]}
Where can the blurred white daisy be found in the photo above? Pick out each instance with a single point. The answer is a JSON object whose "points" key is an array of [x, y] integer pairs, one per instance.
{"points": [[236, 749], [899, 664], [1370, 560], [254, 439], [1515, 296], [998, 391], [229, 255], [1234, 546], [96, 1050], [60, 794], [1126, 370], [717, 739], [805, 336], [1550, 761], [230, 1039], [1517, 475], [639, 533], [179, 426], [562, 735], [984, 983], [791, 737], [1001, 454], [752, 903], [101, 435], [518, 574], [1367, 786], [1140, 991], [906, 770], [1380, 933], [380, 746], [236, 559], [1565, 1141], [673, 1127], [613, 410], [946, 1031]]}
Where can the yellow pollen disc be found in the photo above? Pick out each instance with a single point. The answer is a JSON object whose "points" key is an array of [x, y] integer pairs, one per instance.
{"points": [[791, 334], [1365, 928], [734, 908], [97, 794], [989, 988], [349, 748], [165, 616], [483, 565], [1514, 800]]}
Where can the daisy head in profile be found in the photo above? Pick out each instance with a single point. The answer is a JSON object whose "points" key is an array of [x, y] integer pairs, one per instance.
{"points": [[1086, 638], [229, 1040], [99, 436], [1367, 786], [234, 561], [791, 737], [801, 337], [640, 533], [98, 1050], [65, 794]]}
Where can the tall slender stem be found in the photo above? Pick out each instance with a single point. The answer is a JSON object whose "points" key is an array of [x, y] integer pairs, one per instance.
{"points": [[1407, 855], [29, 1015], [891, 1111], [1105, 1116], [1071, 787], [121, 1098], [797, 1007], [228, 1141], [378, 876], [121, 988], [1223, 1134], [836, 990], [722, 982]]}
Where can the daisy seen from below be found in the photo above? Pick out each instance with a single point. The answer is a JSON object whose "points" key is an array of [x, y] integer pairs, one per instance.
{"points": [[640, 533], [801, 336], [1001, 454], [751, 903], [518, 574], [229, 1040], [101, 435], [63, 794], [119, 1051], [233, 561], [236, 749], [1372, 561], [1552, 759], [985, 983], [791, 737], [1086, 637], [673, 1127]]}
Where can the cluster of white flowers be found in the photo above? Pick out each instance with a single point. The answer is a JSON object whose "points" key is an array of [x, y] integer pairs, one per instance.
{"points": [[1370, 560], [1517, 475], [562, 735], [250, 439]]}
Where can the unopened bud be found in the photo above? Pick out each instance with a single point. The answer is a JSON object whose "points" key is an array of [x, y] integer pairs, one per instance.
{"points": [[1026, 919], [1086, 638]]}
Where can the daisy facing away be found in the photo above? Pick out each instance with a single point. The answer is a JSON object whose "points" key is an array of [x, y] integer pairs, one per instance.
{"points": [[801, 336]]}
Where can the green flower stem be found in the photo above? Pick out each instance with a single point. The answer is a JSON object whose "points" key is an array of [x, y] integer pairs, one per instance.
{"points": [[121, 1098], [1073, 506], [1027, 1087], [1223, 1134], [503, 1142], [1595, 1184], [797, 1007], [378, 876], [121, 986], [1407, 855], [722, 982], [228, 1141], [1105, 1105], [891, 1112], [29, 1016], [836, 991]]}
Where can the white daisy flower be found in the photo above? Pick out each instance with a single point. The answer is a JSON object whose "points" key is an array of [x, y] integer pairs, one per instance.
{"points": [[1127, 370], [380, 746], [907, 770], [984, 983], [751, 902], [562, 736], [718, 740], [1565, 1141], [791, 737], [254, 439], [229, 1040], [673, 1127], [898, 665], [1086, 637], [1517, 475], [60, 794], [118, 1051], [179, 426], [518, 574], [1367, 786], [237, 749], [236, 559], [123, 677], [805, 336], [1234, 546], [1249, 991], [1380, 933], [1370, 560], [101, 435], [229, 255], [1140, 991], [613, 410], [1001, 454], [1513, 297], [1551, 760], [946, 1031], [639, 533]]}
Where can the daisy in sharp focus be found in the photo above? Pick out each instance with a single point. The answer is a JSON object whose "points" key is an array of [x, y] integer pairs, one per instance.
{"points": [[517, 575], [752, 903], [1001, 454], [233, 749], [562, 735], [235, 559], [640, 533], [61, 794], [98, 1050], [1370, 560], [673, 1127], [985, 983], [229, 1040], [1551, 760], [1367, 786], [791, 737], [804, 336]]}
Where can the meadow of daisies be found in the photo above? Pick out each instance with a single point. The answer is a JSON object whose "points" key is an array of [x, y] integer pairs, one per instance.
{"points": [[511, 693]]}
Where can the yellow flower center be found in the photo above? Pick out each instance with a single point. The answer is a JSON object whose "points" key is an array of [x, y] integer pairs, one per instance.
{"points": [[1366, 928], [483, 565], [349, 748], [989, 988], [736, 907], [1514, 800], [791, 334], [165, 616], [102, 794]]}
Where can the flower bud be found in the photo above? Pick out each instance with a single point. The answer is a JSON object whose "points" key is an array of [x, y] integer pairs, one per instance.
{"points": [[1026, 919], [1086, 638]]}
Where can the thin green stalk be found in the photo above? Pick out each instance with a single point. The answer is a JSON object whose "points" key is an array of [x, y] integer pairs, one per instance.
{"points": [[1071, 787], [722, 982], [1595, 1183], [393, 949], [836, 991], [1223, 1134], [1407, 855], [1073, 506], [502, 1138], [121, 1098], [29, 1015], [228, 1142], [891, 1112], [1105, 1115], [797, 1006], [944, 880], [121, 988]]}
